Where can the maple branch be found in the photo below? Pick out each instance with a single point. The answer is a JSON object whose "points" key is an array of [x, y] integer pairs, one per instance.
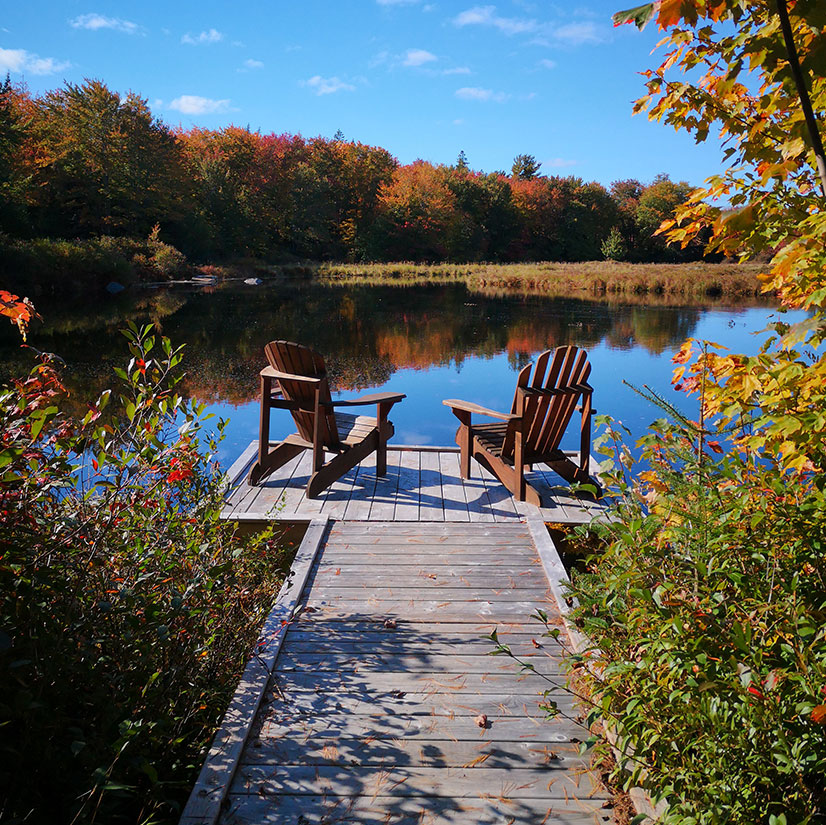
{"points": [[802, 92]]}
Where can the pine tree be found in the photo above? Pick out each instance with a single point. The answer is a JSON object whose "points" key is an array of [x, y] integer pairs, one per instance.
{"points": [[525, 167]]}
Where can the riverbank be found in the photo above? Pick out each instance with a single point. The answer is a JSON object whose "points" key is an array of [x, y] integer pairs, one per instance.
{"points": [[42, 267]]}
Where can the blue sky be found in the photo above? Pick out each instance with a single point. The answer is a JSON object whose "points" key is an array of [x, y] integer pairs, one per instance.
{"points": [[422, 79]]}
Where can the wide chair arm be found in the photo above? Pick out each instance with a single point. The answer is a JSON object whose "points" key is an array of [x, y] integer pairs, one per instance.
{"points": [[271, 372], [376, 398], [469, 407]]}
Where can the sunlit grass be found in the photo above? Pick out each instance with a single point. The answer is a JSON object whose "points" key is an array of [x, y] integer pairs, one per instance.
{"points": [[589, 279]]}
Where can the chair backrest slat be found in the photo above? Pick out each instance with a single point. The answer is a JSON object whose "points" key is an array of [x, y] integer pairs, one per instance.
{"points": [[521, 381], [543, 403], [296, 359], [548, 416], [575, 369]]}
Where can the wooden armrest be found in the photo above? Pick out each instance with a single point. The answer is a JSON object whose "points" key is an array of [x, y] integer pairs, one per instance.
{"points": [[271, 372], [467, 406], [375, 398]]}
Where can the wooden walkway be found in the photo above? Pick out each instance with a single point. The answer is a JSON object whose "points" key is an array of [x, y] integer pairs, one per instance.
{"points": [[422, 484], [372, 697]]}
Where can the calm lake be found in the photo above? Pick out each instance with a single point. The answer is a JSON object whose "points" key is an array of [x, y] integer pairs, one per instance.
{"points": [[430, 342]]}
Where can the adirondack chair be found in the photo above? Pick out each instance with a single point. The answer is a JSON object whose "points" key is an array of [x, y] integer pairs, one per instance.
{"points": [[532, 431], [296, 380]]}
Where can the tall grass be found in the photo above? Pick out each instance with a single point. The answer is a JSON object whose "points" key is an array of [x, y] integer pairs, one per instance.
{"points": [[697, 280]]}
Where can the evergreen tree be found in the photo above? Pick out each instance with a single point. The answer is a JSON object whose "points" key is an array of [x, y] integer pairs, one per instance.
{"points": [[525, 167]]}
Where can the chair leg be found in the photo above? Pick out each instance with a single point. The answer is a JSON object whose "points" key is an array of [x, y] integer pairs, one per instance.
{"points": [[264, 420], [336, 467], [519, 466], [585, 438], [463, 439], [276, 457], [381, 450], [381, 457]]}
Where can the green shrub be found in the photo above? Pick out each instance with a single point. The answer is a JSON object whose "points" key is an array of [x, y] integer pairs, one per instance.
{"points": [[42, 265], [707, 612], [127, 608]]}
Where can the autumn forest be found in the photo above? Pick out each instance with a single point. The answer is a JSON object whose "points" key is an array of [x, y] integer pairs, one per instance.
{"points": [[83, 162]]}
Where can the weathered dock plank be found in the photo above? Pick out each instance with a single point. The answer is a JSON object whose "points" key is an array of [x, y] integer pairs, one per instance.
{"points": [[300, 699], [369, 751], [379, 809], [456, 783]]}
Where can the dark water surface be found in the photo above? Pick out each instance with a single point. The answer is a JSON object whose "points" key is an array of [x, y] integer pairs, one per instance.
{"points": [[430, 342]]}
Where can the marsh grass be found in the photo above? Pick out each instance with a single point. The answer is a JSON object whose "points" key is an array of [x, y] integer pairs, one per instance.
{"points": [[692, 281]]}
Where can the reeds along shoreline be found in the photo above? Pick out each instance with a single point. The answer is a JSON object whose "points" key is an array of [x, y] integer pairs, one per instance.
{"points": [[698, 281]]}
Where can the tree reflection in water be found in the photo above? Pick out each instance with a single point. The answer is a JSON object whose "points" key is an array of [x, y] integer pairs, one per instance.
{"points": [[370, 335]]}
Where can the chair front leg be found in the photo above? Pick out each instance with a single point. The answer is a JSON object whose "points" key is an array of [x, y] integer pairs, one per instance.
{"points": [[382, 411], [264, 423], [522, 426], [585, 437], [318, 446], [463, 438]]}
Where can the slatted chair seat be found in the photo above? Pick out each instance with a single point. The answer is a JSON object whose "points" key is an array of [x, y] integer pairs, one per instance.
{"points": [[296, 380], [543, 405], [492, 437]]}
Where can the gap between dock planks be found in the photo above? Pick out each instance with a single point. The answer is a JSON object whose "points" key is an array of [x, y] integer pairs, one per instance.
{"points": [[371, 714]]}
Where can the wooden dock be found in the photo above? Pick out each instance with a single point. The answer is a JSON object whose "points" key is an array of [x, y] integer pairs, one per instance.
{"points": [[372, 696], [422, 484]]}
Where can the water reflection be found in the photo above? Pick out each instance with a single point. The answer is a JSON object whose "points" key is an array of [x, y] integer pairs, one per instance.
{"points": [[469, 343]]}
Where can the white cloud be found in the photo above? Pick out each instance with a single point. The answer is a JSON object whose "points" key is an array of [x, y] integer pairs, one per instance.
{"points": [[94, 22], [418, 57], [397, 2], [254, 64], [486, 16], [212, 36], [379, 59], [559, 163], [482, 95], [328, 85], [575, 34], [572, 34], [19, 61], [547, 64], [458, 70], [196, 105]]}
